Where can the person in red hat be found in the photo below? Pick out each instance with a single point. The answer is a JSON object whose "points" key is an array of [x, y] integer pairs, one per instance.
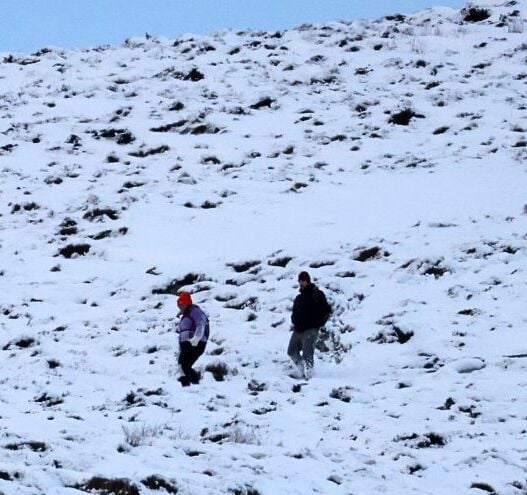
{"points": [[193, 336]]}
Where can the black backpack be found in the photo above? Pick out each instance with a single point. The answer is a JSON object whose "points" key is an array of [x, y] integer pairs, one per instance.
{"points": [[323, 307]]}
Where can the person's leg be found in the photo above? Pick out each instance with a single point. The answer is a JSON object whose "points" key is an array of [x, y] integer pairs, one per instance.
{"points": [[308, 350], [196, 353], [294, 347], [185, 362], [293, 351]]}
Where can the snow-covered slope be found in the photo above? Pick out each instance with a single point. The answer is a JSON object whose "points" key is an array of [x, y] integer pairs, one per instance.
{"points": [[387, 157]]}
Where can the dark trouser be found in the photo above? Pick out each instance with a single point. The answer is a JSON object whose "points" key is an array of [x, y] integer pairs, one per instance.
{"points": [[302, 347], [188, 355]]}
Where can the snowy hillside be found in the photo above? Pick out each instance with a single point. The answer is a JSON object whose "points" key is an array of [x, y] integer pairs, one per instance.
{"points": [[386, 157]]}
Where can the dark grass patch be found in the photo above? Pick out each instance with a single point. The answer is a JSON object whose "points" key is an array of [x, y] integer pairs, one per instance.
{"points": [[256, 386], [246, 490], [217, 437], [320, 264], [342, 393], [202, 129], [133, 400], [369, 254], [395, 334], [120, 136], [157, 483], [426, 441], [263, 103], [169, 127], [106, 486], [485, 487], [177, 284], [281, 262], [26, 207], [194, 75], [467, 312], [176, 107], [23, 343], [48, 401], [436, 271], [449, 402], [246, 303], [404, 117], [109, 233], [98, 214], [53, 180], [68, 222], [34, 446], [263, 410], [243, 266], [132, 184], [52, 363], [432, 363], [415, 468], [10, 59], [193, 453], [208, 205], [475, 14], [65, 231], [214, 160], [346, 274], [74, 249], [219, 370], [149, 152]]}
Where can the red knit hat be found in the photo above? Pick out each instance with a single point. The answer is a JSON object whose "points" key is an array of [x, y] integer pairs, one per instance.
{"points": [[184, 298]]}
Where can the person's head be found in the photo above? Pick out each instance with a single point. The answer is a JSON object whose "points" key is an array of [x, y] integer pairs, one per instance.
{"points": [[184, 301], [304, 279]]}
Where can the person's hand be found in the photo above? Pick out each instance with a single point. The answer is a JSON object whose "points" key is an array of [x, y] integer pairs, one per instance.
{"points": [[194, 341]]}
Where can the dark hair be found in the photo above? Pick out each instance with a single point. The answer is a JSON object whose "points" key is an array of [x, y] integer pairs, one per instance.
{"points": [[304, 277]]}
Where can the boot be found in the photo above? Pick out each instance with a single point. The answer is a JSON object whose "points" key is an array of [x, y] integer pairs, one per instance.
{"points": [[298, 372]]}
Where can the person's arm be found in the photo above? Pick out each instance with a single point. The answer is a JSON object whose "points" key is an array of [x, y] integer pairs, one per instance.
{"points": [[294, 313], [200, 320]]}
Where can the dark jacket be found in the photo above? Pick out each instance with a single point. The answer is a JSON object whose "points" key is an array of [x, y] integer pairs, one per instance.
{"points": [[310, 309]]}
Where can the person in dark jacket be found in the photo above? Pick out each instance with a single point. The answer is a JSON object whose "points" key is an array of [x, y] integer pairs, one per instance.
{"points": [[193, 337], [310, 312]]}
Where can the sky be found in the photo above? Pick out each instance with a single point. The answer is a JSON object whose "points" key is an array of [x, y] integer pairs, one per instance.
{"points": [[28, 25]]}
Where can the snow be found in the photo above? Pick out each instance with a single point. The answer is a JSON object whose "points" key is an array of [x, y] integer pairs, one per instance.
{"points": [[417, 234]]}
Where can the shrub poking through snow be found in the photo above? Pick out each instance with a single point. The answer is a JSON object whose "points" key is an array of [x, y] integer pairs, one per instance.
{"points": [[404, 117], [218, 369], [426, 441], [177, 284], [98, 214], [391, 336], [342, 393], [243, 266], [484, 487], [72, 250], [136, 435], [475, 14], [107, 486], [22, 343], [157, 483], [34, 446], [368, 254]]}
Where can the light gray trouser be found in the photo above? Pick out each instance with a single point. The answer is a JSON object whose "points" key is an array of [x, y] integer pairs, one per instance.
{"points": [[302, 347]]}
